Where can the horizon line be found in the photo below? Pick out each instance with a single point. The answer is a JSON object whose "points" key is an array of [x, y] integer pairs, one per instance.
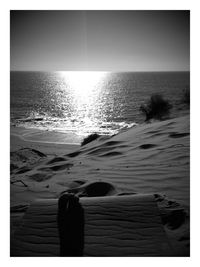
{"points": [[114, 71]]}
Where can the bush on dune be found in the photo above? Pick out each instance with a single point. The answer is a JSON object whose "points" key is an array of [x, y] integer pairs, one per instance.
{"points": [[156, 107], [89, 138]]}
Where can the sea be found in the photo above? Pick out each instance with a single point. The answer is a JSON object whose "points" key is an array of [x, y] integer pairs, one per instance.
{"points": [[85, 102]]}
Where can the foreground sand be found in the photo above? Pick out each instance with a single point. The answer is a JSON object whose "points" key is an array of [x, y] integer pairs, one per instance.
{"points": [[153, 159], [128, 225]]}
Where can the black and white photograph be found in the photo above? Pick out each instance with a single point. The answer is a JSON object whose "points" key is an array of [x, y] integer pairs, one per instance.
{"points": [[99, 133]]}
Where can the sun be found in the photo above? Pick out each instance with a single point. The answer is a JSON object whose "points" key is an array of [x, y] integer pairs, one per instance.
{"points": [[83, 82]]}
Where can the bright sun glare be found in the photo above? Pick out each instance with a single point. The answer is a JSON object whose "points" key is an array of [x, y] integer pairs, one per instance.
{"points": [[83, 82], [84, 90]]}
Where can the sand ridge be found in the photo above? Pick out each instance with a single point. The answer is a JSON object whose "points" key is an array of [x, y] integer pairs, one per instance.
{"points": [[95, 226]]}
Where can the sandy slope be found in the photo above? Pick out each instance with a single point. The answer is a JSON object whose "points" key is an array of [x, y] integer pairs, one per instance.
{"points": [[97, 226], [153, 158]]}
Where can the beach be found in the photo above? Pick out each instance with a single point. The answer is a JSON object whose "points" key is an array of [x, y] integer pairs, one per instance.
{"points": [[99, 133], [153, 158]]}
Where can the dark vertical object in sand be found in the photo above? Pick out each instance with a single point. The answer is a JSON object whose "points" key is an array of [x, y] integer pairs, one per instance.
{"points": [[70, 225]]}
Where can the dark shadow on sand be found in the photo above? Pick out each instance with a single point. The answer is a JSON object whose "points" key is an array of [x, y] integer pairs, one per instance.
{"points": [[70, 220]]}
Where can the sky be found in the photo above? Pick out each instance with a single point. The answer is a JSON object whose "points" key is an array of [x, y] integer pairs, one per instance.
{"points": [[100, 40]]}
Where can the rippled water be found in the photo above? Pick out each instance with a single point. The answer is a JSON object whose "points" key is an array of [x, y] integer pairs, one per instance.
{"points": [[87, 102]]}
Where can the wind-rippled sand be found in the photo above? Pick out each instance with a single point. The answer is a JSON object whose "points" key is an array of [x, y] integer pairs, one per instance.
{"points": [[153, 158]]}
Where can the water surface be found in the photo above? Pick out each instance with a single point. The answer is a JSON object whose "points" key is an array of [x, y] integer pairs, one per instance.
{"points": [[87, 102]]}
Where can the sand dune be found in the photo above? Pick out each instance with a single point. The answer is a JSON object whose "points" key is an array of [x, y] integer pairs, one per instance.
{"points": [[152, 159], [113, 226]]}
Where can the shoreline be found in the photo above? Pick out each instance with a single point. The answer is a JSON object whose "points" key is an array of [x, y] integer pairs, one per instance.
{"points": [[22, 137]]}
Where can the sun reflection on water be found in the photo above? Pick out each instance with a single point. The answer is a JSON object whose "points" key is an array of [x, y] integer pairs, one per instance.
{"points": [[83, 82], [85, 88]]}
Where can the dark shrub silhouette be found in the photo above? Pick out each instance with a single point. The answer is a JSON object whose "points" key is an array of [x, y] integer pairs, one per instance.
{"points": [[186, 96], [156, 107], [89, 138]]}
